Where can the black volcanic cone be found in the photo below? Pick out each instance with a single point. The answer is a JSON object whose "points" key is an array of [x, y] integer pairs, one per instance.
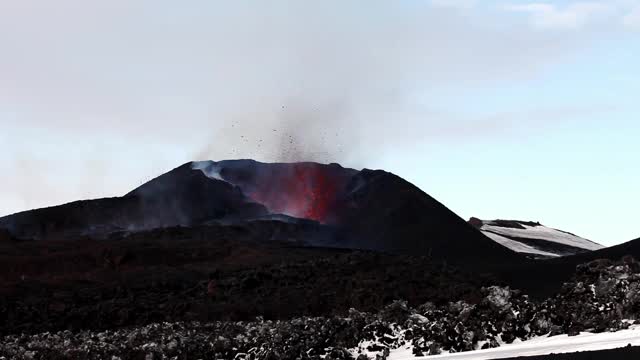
{"points": [[372, 209], [367, 209]]}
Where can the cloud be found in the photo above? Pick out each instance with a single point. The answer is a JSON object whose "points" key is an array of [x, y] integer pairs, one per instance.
{"points": [[459, 4], [581, 14], [632, 19], [150, 70], [573, 16], [283, 80]]}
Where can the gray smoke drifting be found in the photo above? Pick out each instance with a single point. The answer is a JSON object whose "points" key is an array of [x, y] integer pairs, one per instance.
{"points": [[157, 84], [321, 82]]}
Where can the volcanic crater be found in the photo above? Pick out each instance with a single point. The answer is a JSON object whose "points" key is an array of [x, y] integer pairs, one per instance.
{"points": [[303, 190]]}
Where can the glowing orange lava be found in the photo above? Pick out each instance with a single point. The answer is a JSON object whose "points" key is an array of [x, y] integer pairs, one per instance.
{"points": [[304, 191]]}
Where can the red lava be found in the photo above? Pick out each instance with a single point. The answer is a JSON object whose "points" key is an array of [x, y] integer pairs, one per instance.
{"points": [[308, 191]]}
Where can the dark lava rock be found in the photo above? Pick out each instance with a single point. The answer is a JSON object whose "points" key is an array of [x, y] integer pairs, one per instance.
{"points": [[475, 222], [501, 314], [5, 236], [207, 274]]}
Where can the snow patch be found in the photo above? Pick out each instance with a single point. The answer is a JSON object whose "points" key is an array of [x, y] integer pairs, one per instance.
{"points": [[539, 346], [541, 232], [517, 246]]}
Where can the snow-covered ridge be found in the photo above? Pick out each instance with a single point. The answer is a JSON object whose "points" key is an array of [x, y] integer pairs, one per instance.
{"points": [[518, 246], [534, 238], [541, 232]]}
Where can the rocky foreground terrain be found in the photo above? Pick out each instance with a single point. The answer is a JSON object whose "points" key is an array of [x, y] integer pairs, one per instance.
{"points": [[603, 296], [213, 273]]}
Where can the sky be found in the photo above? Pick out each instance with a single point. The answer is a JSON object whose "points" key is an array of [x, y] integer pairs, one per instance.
{"points": [[499, 109]]}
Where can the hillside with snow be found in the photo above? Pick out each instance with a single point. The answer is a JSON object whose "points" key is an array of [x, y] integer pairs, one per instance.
{"points": [[533, 238]]}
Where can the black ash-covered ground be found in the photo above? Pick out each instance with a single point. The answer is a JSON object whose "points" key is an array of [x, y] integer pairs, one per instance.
{"points": [[600, 297], [208, 274]]}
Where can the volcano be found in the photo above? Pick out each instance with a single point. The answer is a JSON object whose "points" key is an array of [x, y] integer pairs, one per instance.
{"points": [[233, 240], [366, 209]]}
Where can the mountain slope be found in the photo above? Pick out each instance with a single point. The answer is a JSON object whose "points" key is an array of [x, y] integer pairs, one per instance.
{"points": [[179, 197], [371, 209], [534, 239], [368, 209], [543, 278], [385, 212]]}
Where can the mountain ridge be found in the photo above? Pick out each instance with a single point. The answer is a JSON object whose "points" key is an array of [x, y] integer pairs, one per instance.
{"points": [[533, 238]]}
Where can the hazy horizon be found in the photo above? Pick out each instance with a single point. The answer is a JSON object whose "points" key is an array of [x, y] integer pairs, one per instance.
{"points": [[498, 109]]}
